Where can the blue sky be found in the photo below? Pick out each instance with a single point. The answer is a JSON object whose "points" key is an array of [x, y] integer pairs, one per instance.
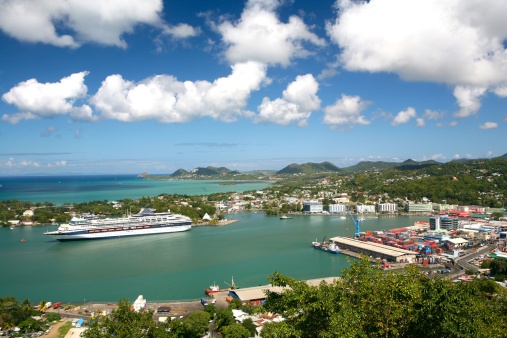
{"points": [[130, 86]]}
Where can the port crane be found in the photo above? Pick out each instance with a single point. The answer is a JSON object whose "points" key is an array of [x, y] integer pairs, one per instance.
{"points": [[356, 223]]}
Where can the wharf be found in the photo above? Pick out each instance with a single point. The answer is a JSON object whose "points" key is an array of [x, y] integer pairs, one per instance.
{"points": [[355, 248]]}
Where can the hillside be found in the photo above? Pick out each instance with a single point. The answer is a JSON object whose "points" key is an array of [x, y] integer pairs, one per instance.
{"points": [[208, 171], [309, 168]]}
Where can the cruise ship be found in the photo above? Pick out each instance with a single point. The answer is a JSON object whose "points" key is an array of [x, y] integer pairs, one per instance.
{"points": [[146, 222]]}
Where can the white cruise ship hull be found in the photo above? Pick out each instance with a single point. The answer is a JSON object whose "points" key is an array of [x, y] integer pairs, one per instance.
{"points": [[81, 235], [144, 223]]}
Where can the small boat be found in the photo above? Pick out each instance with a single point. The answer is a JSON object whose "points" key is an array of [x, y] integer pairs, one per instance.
{"points": [[23, 240], [343, 217], [333, 248], [285, 217], [212, 289]]}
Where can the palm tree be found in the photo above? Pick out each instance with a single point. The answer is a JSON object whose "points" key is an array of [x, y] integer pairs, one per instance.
{"points": [[26, 307], [42, 305]]}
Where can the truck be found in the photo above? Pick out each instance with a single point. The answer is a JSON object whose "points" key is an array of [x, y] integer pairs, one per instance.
{"points": [[57, 305]]}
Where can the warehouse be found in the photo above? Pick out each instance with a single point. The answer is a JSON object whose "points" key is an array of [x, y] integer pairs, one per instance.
{"points": [[375, 250]]}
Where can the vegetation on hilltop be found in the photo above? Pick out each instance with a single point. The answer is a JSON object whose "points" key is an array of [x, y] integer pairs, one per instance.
{"points": [[194, 207], [13, 314], [309, 168], [367, 302]]}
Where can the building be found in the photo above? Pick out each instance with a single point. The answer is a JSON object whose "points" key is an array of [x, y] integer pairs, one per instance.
{"points": [[444, 222], [28, 213], [139, 304], [365, 208], [413, 207], [337, 208], [390, 208], [376, 250], [313, 207]]}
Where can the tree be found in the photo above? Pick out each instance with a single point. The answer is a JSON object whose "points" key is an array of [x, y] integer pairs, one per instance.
{"points": [[124, 322], [498, 267], [250, 326], [26, 307], [496, 215], [198, 322], [224, 317], [235, 331], [368, 302]]}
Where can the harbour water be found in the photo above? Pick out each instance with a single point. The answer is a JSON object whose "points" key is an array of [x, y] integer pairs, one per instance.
{"points": [[161, 267], [174, 266]]}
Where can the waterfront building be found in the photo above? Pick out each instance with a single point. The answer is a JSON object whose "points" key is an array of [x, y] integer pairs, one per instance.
{"points": [[390, 208], [472, 209], [415, 207], [337, 209], [313, 207], [444, 206], [365, 208], [444, 222], [139, 304]]}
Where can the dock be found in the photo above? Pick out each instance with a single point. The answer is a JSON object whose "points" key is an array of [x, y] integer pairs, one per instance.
{"points": [[356, 248]]}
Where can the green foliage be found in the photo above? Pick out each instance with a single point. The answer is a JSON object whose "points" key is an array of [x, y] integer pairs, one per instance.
{"points": [[198, 323], [30, 325], [211, 309], [235, 304], [123, 322], [368, 302], [223, 318], [498, 267], [250, 326], [11, 313], [235, 331], [53, 316]]}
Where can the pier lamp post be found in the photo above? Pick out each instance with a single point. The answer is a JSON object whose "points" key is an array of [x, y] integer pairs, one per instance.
{"points": [[84, 301]]}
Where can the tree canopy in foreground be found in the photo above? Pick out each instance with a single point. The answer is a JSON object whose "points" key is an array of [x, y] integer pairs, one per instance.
{"points": [[368, 302]]}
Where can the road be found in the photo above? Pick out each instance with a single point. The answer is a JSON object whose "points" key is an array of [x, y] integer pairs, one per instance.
{"points": [[462, 263]]}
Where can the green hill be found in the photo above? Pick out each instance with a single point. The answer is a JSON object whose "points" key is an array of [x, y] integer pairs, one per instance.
{"points": [[308, 168]]}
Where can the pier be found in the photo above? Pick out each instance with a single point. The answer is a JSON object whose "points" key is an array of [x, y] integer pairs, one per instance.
{"points": [[356, 248]]}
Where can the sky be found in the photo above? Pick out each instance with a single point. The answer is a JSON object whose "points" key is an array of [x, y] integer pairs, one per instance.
{"points": [[132, 86]]}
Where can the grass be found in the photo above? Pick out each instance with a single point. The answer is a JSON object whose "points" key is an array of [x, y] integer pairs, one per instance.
{"points": [[62, 330]]}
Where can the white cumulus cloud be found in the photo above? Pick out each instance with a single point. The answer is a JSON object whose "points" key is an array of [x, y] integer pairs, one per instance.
{"points": [[457, 42], [404, 116], [346, 111], [299, 100], [259, 35], [468, 99], [165, 99], [83, 21], [39, 100], [489, 125]]}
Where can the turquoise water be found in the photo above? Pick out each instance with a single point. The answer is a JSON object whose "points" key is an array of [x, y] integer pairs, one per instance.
{"points": [[77, 189], [161, 267], [173, 266]]}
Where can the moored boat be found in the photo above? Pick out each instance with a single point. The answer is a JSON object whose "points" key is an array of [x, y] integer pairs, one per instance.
{"points": [[146, 222], [213, 289]]}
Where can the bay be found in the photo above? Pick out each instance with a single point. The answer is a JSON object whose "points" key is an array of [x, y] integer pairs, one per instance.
{"points": [[78, 189], [174, 266]]}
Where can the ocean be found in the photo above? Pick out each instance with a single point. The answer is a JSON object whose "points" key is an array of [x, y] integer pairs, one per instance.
{"points": [[78, 189], [177, 266]]}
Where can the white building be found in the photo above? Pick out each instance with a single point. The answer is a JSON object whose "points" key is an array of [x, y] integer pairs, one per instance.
{"points": [[365, 208], [313, 207], [388, 208], [139, 304], [337, 208]]}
